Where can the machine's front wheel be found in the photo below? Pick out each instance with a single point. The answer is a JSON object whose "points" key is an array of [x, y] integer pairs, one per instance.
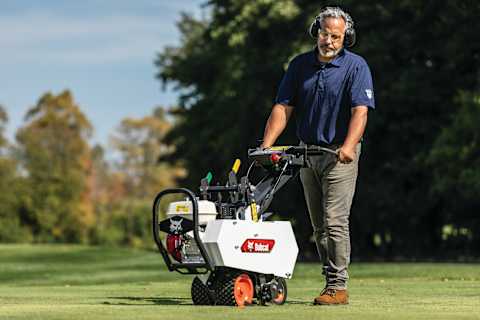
{"points": [[200, 293], [235, 289], [279, 294]]}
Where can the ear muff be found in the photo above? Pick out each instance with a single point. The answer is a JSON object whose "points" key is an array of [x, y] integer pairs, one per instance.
{"points": [[349, 38], [314, 27]]}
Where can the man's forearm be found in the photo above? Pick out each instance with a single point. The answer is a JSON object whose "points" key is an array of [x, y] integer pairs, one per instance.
{"points": [[276, 123], [356, 127]]}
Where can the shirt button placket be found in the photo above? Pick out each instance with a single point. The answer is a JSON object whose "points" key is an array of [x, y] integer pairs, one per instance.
{"points": [[321, 81]]}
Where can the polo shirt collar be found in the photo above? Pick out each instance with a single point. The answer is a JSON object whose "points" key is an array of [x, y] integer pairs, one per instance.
{"points": [[336, 62]]}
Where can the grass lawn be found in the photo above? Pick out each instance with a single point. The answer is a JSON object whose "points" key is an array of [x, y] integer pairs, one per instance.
{"points": [[77, 282]]}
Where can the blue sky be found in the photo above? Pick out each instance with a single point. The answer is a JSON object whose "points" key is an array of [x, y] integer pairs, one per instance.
{"points": [[102, 50]]}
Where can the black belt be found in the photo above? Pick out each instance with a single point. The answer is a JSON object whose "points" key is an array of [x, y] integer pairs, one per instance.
{"points": [[333, 146]]}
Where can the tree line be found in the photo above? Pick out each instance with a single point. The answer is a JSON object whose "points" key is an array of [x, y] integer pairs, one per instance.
{"points": [[419, 182], [56, 187]]}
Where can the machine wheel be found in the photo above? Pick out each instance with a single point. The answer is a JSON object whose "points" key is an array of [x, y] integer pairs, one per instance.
{"points": [[281, 292], [200, 293], [235, 289]]}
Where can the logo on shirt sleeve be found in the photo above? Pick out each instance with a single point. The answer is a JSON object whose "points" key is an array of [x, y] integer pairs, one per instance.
{"points": [[369, 93]]}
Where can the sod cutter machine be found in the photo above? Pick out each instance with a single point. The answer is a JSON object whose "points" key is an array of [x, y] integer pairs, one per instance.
{"points": [[224, 237]]}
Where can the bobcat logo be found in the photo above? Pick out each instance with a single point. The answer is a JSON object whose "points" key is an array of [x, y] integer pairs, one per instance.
{"points": [[257, 245], [176, 226]]}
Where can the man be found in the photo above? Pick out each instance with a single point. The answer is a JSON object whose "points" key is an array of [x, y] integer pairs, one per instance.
{"points": [[330, 89]]}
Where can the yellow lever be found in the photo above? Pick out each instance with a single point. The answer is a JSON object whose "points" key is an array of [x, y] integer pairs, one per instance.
{"points": [[253, 209], [236, 165]]}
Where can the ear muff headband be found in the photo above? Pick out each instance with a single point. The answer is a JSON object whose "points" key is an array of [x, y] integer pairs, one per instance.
{"points": [[350, 36]]}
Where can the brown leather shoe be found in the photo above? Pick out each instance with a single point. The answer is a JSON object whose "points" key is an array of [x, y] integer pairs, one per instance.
{"points": [[331, 296]]}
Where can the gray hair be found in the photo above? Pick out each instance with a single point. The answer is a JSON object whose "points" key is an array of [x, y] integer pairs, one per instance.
{"points": [[335, 12]]}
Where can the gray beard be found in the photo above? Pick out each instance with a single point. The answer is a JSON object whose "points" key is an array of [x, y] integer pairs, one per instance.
{"points": [[328, 54]]}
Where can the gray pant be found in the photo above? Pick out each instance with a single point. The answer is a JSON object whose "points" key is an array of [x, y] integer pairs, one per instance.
{"points": [[329, 186]]}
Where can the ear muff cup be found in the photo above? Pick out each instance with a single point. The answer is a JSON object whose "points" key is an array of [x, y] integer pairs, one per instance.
{"points": [[350, 38], [314, 27]]}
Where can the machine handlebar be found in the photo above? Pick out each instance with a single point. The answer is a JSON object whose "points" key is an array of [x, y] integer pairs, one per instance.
{"points": [[298, 154]]}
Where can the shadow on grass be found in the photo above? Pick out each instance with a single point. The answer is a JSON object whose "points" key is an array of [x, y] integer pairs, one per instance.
{"points": [[136, 301], [298, 302], [148, 301]]}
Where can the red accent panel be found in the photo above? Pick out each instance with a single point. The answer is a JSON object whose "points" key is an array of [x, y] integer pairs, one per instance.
{"points": [[174, 243]]}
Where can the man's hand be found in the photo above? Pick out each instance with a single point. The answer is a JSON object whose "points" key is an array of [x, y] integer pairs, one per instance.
{"points": [[346, 154], [356, 127]]}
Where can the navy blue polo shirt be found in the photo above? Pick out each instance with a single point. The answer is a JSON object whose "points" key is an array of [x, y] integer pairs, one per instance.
{"points": [[324, 93]]}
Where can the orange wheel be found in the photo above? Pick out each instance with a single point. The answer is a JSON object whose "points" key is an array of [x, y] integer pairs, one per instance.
{"points": [[280, 299], [243, 290]]}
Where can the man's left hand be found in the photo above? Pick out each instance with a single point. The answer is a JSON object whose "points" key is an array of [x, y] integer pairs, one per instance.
{"points": [[346, 154]]}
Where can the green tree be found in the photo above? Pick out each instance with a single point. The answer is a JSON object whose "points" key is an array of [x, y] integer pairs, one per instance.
{"points": [[455, 163], [3, 121], [11, 227], [228, 69], [417, 74], [455, 156], [55, 156]]}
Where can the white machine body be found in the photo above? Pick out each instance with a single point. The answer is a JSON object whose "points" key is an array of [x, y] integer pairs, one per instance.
{"points": [[267, 247]]}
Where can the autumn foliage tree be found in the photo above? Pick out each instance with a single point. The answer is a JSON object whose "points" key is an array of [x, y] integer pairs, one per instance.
{"points": [[57, 188], [55, 157], [140, 143], [125, 192]]}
